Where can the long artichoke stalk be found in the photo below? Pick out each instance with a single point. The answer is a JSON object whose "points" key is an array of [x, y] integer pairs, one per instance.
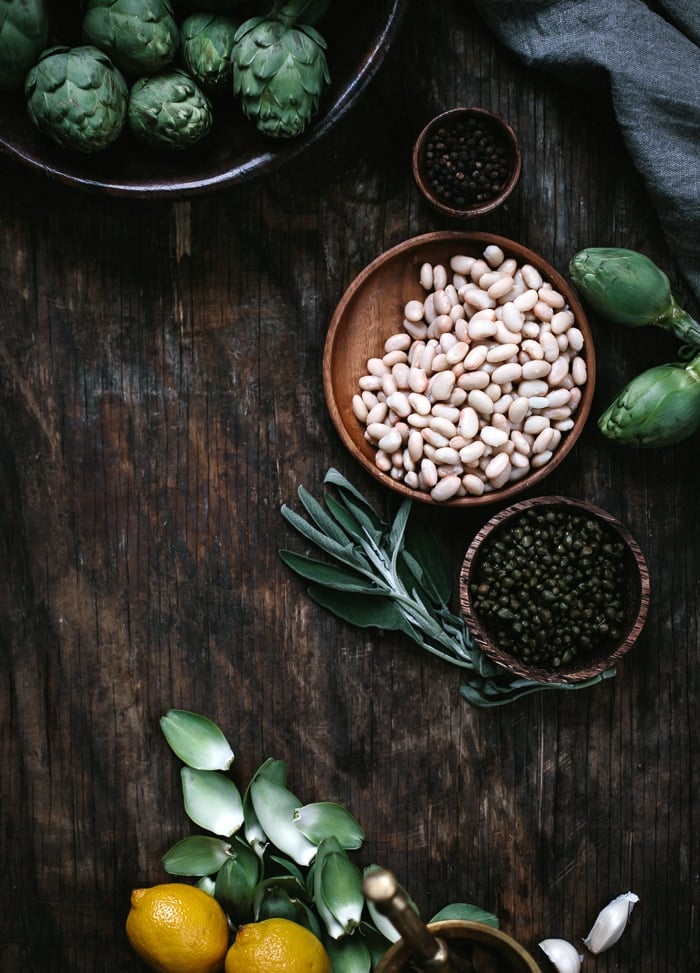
{"points": [[660, 407], [628, 288]]}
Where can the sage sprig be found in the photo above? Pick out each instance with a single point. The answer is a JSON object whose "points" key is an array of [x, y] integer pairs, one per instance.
{"points": [[394, 576]]}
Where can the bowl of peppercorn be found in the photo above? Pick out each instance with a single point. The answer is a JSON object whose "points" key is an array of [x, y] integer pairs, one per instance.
{"points": [[555, 589], [466, 162]]}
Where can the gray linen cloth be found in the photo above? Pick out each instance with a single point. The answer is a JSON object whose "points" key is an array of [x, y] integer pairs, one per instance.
{"points": [[650, 63]]}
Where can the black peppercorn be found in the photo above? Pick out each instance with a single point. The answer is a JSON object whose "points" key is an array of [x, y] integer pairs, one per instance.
{"points": [[467, 163]]}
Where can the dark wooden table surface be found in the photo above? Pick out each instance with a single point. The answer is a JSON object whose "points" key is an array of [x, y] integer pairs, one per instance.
{"points": [[161, 398]]}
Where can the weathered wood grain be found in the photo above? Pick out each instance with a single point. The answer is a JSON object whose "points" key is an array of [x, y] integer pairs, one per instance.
{"points": [[160, 398]]}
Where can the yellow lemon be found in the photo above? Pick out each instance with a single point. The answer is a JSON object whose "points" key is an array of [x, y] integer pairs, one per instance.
{"points": [[177, 928], [276, 946]]}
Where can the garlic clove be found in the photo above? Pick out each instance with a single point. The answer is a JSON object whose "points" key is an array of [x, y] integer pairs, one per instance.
{"points": [[564, 957], [611, 923]]}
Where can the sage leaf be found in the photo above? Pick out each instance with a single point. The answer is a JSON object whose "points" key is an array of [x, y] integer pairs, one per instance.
{"points": [[323, 521], [326, 574], [212, 801], [342, 552], [196, 855], [381, 612], [470, 913], [196, 740]]}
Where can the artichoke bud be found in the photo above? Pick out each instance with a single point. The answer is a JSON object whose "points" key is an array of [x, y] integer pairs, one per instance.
{"points": [[77, 97], [197, 855], [621, 285], [206, 44], [197, 741], [24, 33], [169, 110], [660, 407], [236, 882], [337, 884], [279, 72], [326, 819], [141, 36], [212, 801]]}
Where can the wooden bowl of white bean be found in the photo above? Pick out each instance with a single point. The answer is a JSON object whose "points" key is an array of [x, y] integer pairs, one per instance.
{"points": [[554, 589], [459, 368]]}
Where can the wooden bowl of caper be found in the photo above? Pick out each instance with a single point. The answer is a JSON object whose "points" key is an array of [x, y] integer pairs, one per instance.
{"points": [[555, 589]]}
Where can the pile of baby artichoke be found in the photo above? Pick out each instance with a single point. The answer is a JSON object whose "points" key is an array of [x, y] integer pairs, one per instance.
{"points": [[266, 855], [157, 70], [661, 406]]}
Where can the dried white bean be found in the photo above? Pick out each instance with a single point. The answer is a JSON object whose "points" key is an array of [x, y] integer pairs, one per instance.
{"points": [[382, 461], [551, 297], [535, 424], [377, 414], [439, 277], [370, 383], [433, 438], [417, 330], [398, 402], [512, 317], [531, 329], [480, 402], [477, 298], [532, 387], [390, 442], [388, 384], [575, 337], [561, 322], [518, 409], [526, 301], [457, 352], [468, 422], [509, 372], [446, 455], [446, 488], [415, 446], [472, 452], [521, 442], [443, 426], [493, 255], [429, 472], [462, 264], [417, 421], [531, 276], [558, 397], [493, 436], [543, 441], [441, 386], [398, 342], [478, 269], [426, 276], [441, 302], [412, 480], [533, 349], [579, 372], [539, 402], [413, 311], [496, 466], [443, 411], [559, 371], [500, 287], [400, 373], [474, 380], [359, 408], [473, 484], [536, 369], [501, 353], [537, 462], [519, 460]]}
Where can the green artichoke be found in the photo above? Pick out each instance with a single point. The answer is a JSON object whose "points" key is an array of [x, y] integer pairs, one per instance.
{"points": [[141, 36], [24, 32], [660, 407], [206, 44], [628, 288], [279, 71], [77, 97], [169, 110]]}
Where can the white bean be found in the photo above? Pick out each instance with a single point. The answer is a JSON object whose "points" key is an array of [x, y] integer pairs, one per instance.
{"points": [[414, 311], [531, 276], [377, 414], [468, 422], [532, 387], [441, 386], [473, 484], [579, 371], [493, 436], [493, 255], [446, 488], [426, 276], [501, 353], [526, 301], [472, 452], [480, 402], [535, 424], [439, 277], [429, 472], [536, 369], [398, 342], [462, 264], [474, 380], [518, 409]]}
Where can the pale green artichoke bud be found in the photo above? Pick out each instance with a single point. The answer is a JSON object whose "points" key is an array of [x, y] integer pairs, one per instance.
{"points": [[141, 36], [206, 44], [660, 407], [77, 97], [24, 32], [169, 110], [628, 288], [279, 72]]}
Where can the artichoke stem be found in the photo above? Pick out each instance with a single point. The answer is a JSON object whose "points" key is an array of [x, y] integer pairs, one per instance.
{"points": [[680, 323]]}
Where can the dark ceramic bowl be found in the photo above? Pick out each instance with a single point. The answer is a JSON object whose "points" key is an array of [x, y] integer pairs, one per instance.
{"points": [[233, 152], [607, 652], [437, 173]]}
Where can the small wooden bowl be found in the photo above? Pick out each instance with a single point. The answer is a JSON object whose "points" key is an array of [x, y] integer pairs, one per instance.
{"points": [[490, 124], [372, 309], [607, 653]]}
